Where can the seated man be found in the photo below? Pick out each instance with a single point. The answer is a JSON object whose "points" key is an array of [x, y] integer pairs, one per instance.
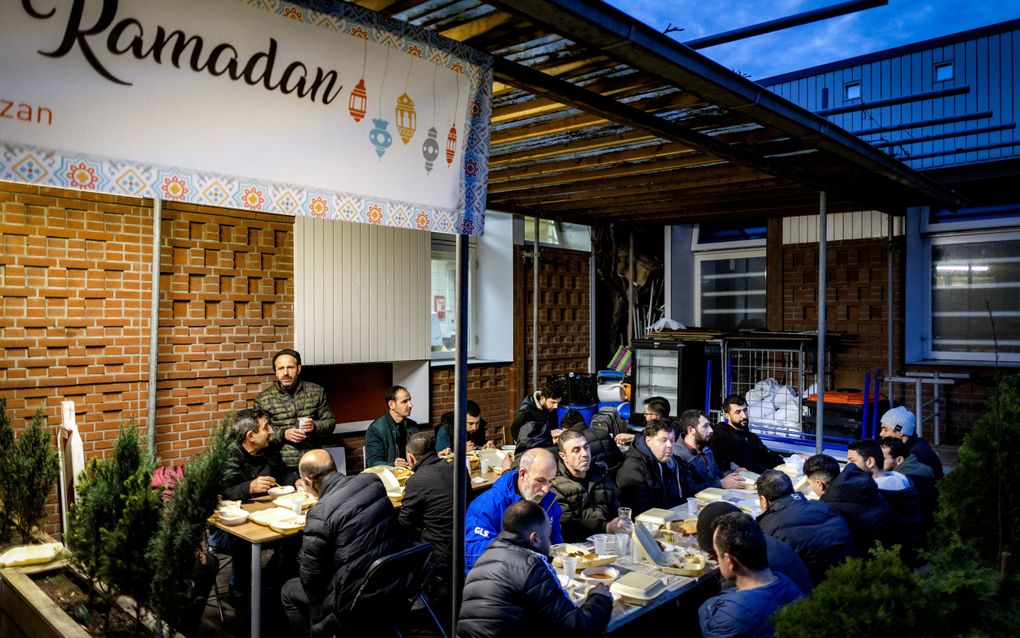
{"points": [[386, 438], [896, 489], [650, 475], [855, 496], [255, 467], [782, 559], [656, 409], [584, 491], [539, 409], [427, 506], [899, 422], [746, 609], [814, 530], [693, 449], [352, 525], [896, 456], [297, 409], [735, 445], [512, 592], [604, 449], [531, 482], [476, 438]]}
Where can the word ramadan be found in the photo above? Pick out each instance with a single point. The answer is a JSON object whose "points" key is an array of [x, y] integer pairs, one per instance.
{"points": [[128, 37]]}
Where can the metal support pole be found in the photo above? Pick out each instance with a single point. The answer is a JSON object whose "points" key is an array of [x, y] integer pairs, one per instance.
{"points": [[889, 325], [150, 422], [460, 486], [820, 375], [630, 291], [534, 311], [937, 416], [918, 407]]}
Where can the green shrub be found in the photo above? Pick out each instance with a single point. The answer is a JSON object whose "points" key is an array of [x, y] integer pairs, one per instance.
{"points": [[29, 473], [979, 501]]}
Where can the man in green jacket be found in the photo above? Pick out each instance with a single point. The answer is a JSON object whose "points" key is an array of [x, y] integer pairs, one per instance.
{"points": [[386, 438], [297, 409]]}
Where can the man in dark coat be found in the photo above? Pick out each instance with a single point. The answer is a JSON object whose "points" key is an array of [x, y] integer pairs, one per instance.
{"points": [[351, 526], [897, 490], [476, 430], [899, 422], [745, 609], [538, 409], [651, 476], [584, 491], [814, 530], [604, 449], [735, 445], [692, 448], [854, 494], [386, 437], [782, 559], [427, 506], [512, 591], [896, 456]]}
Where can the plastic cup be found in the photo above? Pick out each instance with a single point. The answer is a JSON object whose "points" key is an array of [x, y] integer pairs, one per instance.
{"points": [[622, 544], [601, 544], [484, 466], [692, 507], [296, 507], [569, 566]]}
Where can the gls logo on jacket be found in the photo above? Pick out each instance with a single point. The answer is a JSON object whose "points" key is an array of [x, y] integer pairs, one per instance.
{"points": [[481, 531]]}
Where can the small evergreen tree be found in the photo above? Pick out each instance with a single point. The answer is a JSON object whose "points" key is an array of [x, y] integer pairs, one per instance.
{"points": [[30, 471], [172, 550], [979, 501], [6, 450]]}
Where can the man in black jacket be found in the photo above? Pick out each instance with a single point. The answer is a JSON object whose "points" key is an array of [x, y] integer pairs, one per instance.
{"points": [[255, 467], [897, 490], [604, 449], [352, 525], [512, 590], [650, 475], [584, 491], [854, 494], [538, 410], [735, 445], [814, 530], [899, 422], [427, 506]]}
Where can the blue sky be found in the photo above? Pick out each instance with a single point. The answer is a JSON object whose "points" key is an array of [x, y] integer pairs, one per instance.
{"points": [[899, 22]]}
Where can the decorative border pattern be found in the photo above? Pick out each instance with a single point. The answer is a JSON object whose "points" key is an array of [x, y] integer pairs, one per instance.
{"points": [[52, 167]]}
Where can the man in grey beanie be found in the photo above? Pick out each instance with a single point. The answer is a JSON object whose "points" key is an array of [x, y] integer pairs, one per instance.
{"points": [[899, 422]]}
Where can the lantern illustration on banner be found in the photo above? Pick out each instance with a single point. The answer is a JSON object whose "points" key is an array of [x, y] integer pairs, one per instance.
{"points": [[451, 144], [430, 149], [358, 101], [407, 118], [380, 137]]}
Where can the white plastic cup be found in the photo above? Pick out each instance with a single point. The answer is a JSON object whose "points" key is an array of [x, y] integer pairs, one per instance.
{"points": [[601, 544], [296, 506], [622, 544], [569, 566], [484, 466], [692, 507]]}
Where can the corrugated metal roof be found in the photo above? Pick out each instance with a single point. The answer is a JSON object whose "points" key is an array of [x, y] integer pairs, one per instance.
{"points": [[599, 118]]}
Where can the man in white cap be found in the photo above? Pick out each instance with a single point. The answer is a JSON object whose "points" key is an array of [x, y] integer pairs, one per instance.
{"points": [[899, 423]]}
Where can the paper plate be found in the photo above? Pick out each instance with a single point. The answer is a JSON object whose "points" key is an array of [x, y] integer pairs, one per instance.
{"points": [[288, 500], [604, 574], [281, 490], [233, 517], [272, 515]]}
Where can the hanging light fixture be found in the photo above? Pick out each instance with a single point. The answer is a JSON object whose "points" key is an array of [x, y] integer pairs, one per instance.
{"points": [[407, 118], [380, 137], [430, 149], [359, 101], [451, 144]]}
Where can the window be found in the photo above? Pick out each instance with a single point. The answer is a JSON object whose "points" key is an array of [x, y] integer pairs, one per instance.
{"points": [[943, 71], [852, 90], [974, 298], [556, 233], [730, 289], [444, 297]]}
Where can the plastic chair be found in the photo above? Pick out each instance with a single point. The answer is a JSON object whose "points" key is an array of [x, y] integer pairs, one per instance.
{"points": [[391, 586]]}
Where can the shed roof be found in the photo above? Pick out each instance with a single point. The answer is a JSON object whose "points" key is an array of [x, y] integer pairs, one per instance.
{"points": [[598, 118]]}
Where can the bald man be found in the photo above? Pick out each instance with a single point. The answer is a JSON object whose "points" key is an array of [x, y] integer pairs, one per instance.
{"points": [[352, 525], [531, 482]]}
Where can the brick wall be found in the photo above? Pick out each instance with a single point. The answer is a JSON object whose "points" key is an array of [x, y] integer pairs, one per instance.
{"points": [[226, 305], [488, 386], [856, 298], [74, 292]]}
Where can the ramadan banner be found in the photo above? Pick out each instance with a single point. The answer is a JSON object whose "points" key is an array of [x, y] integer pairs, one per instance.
{"points": [[255, 104]]}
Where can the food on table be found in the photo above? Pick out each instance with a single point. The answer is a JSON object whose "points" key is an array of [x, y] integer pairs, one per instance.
{"points": [[233, 516], [289, 500], [272, 515], [280, 490]]}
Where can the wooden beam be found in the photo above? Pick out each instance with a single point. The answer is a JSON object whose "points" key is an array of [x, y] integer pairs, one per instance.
{"points": [[477, 27], [602, 160], [580, 146], [542, 105]]}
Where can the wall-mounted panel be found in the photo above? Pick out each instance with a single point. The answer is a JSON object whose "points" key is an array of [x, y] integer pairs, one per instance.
{"points": [[867, 224], [361, 292]]}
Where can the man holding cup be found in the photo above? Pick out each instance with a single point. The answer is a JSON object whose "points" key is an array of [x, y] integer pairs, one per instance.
{"points": [[297, 409]]}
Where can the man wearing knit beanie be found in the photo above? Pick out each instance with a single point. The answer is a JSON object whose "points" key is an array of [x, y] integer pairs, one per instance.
{"points": [[781, 556], [899, 422]]}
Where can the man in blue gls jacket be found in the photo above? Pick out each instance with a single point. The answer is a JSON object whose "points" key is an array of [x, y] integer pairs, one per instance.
{"points": [[531, 482]]}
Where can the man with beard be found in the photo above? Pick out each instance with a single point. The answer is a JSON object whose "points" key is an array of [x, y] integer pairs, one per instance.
{"points": [[386, 438], [736, 446], [531, 482], [535, 423], [693, 450], [650, 476], [584, 491], [297, 409]]}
